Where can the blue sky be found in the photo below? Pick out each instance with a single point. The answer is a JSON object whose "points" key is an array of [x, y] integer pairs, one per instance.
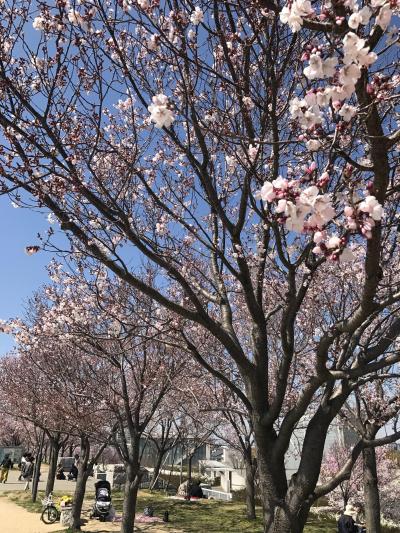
{"points": [[20, 274]]}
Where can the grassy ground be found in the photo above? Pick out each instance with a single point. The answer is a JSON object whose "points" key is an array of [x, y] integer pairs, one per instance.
{"points": [[210, 516], [205, 516]]}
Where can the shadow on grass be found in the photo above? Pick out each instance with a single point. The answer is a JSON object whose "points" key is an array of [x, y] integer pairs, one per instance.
{"points": [[210, 516]]}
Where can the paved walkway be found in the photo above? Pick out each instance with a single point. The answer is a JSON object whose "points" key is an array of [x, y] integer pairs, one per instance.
{"points": [[66, 487]]}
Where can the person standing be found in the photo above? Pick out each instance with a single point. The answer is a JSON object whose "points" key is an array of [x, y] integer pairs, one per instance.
{"points": [[23, 461], [5, 466], [27, 472]]}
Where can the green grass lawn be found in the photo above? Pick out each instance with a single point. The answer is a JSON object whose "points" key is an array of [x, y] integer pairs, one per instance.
{"points": [[210, 516]]}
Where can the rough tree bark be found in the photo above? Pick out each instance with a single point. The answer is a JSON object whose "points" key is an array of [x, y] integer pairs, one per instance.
{"points": [[84, 469], [130, 498], [371, 492], [55, 446], [80, 488], [132, 482], [250, 467], [157, 467]]}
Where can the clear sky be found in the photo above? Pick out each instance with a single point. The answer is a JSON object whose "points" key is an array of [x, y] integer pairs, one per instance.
{"points": [[20, 274]]}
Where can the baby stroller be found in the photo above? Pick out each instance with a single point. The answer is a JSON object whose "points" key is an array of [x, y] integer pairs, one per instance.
{"points": [[102, 505]]}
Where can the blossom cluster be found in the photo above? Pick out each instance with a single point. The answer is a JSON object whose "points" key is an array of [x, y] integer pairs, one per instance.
{"points": [[310, 210], [294, 205], [197, 16], [363, 217], [343, 71], [297, 11], [160, 113], [356, 55]]}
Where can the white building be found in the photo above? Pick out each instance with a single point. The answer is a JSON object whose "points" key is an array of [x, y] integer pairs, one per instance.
{"points": [[229, 466]]}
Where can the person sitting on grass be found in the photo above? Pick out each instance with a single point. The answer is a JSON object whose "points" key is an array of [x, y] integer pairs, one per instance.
{"points": [[347, 521], [60, 472], [73, 473], [195, 490]]}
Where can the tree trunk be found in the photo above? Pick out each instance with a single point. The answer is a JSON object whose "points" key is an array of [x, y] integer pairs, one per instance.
{"points": [[79, 496], [36, 472], [54, 451], [273, 483], [130, 497], [157, 468], [189, 462], [371, 492], [45, 451], [181, 467], [84, 469], [285, 509], [80, 488], [250, 488]]}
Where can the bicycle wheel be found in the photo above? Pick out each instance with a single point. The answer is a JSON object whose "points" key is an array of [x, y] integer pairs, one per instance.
{"points": [[49, 515]]}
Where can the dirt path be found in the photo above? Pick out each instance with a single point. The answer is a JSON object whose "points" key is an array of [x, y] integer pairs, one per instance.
{"points": [[15, 519]]}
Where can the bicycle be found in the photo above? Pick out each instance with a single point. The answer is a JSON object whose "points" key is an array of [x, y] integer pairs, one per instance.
{"points": [[50, 513]]}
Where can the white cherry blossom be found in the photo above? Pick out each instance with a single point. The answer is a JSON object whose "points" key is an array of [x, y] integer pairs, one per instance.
{"points": [[347, 112], [267, 193], [384, 17], [197, 16], [315, 68], [333, 242], [313, 145], [320, 68], [75, 17], [281, 183], [39, 23], [371, 206], [294, 15], [160, 113], [309, 195], [355, 51], [319, 236], [360, 17]]}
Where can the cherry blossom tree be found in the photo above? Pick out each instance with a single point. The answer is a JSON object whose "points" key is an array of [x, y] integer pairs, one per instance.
{"points": [[352, 489], [53, 385], [235, 429], [30, 409], [237, 433], [373, 408], [14, 432], [164, 438], [248, 153], [115, 339]]}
